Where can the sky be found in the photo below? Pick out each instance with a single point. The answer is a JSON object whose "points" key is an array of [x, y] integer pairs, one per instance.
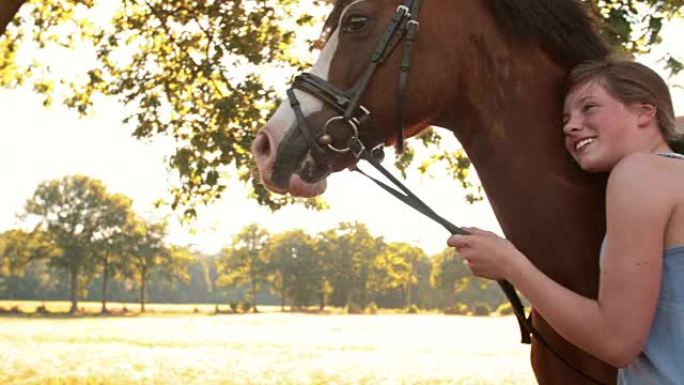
{"points": [[39, 144]]}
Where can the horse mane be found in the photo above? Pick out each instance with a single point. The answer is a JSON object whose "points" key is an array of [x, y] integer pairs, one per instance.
{"points": [[563, 28]]}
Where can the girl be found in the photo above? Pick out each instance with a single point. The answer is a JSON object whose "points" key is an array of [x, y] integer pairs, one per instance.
{"points": [[618, 118]]}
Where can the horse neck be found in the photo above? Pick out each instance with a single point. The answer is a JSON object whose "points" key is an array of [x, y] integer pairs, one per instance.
{"points": [[551, 210]]}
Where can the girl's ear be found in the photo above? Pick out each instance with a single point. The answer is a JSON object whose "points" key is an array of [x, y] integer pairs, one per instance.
{"points": [[647, 114]]}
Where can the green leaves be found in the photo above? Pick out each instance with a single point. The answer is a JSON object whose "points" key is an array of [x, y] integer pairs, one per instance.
{"points": [[18, 248], [202, 73], [633, 26], [191, 70]]}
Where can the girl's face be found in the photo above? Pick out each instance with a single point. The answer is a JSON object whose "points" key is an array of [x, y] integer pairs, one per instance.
{"points": [[599, 129]]}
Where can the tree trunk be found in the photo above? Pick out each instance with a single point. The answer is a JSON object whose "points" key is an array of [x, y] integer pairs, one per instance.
{"points": [[105, 279], [254, 289], [74, 291], [451, 297], [282, 294], [8, 8], [348, 300], [408, 295], [142, 290]]}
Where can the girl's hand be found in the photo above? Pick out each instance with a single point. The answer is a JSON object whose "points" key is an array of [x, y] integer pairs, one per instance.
{"points": [[487, 254]]}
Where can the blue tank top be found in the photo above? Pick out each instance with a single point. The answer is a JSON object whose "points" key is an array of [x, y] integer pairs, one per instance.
{"points": [[662, 360]]}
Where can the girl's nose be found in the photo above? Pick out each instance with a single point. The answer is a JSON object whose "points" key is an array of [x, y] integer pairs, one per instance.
{"points": [[572, 125]]}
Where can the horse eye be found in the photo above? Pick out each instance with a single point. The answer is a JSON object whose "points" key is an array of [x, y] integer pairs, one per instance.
{"points": [[356, 23]]}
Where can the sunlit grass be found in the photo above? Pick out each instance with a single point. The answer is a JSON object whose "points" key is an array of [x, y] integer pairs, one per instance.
{"points": [[267, 348]]}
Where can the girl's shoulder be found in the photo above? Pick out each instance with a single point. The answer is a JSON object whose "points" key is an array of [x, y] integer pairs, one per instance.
{"points": [[647, 165], [650, 175]]}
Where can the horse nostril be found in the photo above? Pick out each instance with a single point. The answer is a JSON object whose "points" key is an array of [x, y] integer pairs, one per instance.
{"points": [[262, 145]]}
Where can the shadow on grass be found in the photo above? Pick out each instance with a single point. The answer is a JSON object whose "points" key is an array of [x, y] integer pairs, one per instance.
{"points": [[42, 312]]}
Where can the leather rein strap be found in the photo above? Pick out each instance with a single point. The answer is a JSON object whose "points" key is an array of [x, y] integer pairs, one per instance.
{"points": [[401, 192]]}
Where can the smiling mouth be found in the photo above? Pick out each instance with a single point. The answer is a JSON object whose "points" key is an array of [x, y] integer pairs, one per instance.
{"points": [[582, 144]]}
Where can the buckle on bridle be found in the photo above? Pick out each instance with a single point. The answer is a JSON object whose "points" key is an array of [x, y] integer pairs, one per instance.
{"points": [[356, 147], [378, 152]]}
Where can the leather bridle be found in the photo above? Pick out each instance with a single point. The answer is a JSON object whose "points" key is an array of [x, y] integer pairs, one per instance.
{"points": [[404, 25]]}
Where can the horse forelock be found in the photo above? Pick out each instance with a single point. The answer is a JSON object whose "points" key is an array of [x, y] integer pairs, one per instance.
{"points": [[563, 28]]}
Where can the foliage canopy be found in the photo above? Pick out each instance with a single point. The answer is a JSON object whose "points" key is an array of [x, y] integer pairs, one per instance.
{"points": [[203, 72]]}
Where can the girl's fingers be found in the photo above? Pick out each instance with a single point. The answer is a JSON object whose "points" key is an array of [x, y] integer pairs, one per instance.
{"points": [[474, 231], [470, 229], [457, 241], [477, 231]]}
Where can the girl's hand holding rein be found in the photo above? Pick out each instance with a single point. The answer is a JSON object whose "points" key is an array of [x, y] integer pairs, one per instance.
{"points": [[487, 254]]}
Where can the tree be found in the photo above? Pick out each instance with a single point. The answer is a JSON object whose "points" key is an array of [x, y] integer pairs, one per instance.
{"points": [[349, 250], [194, 70], [73, 211], [307, 284], [397, 266], [296, 269], [200, 286], [174, 267], [190, 68], [449, 275], [245, 261], [145, 251], [19, 248], [280, 266], [110, 242], [8, 8]]}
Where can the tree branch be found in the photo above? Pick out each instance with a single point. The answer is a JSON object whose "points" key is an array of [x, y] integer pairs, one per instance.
{"points": [[8, 9]]}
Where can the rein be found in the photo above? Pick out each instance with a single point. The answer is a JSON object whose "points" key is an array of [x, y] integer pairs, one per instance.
{"points": [[401, 192]]}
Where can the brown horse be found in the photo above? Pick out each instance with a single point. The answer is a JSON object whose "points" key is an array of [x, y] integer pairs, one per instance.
{"points": [[492, 72]]}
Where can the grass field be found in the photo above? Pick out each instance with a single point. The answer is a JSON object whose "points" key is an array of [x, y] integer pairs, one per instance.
{"points": [[170, 348]]}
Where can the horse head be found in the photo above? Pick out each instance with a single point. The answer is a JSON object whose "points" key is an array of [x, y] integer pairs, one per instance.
{"points": [[369, 88]]}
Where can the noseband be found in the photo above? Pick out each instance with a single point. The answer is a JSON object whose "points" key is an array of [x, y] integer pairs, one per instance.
{"points": [[405, 25]]}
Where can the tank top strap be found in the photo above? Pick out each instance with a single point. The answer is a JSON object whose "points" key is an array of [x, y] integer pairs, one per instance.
{"points": [[674, 155]]}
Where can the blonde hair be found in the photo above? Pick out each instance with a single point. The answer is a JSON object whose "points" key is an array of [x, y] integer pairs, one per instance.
{"points": [[631, 82]]}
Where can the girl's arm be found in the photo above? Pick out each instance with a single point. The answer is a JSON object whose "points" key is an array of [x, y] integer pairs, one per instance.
{"points": [[613, 328]]}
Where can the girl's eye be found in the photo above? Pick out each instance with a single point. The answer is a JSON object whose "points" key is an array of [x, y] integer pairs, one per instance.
{"points": [[588, 107], [356, 23]]}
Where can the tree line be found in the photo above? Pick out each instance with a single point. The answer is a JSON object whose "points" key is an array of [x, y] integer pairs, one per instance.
{"points": [[86, 243]]}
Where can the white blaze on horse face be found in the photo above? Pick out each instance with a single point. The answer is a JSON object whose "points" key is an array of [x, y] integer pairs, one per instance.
{"points": [[284, 117]]}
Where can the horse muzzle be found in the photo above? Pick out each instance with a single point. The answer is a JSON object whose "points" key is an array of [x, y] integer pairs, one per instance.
{"points": [[285, 166]]}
